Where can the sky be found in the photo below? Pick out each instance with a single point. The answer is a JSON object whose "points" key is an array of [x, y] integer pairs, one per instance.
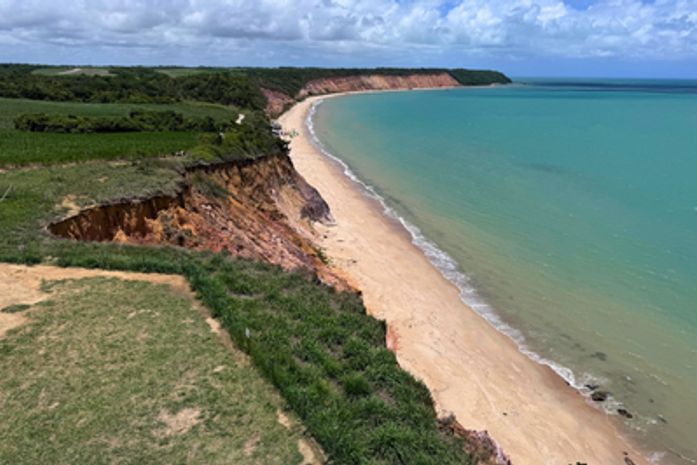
{"points": [[613, 38]]}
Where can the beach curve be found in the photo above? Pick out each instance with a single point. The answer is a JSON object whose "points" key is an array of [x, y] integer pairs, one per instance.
{"points": [[472, 370]]}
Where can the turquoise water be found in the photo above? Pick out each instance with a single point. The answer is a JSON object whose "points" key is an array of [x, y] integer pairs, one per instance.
{"points": [[567, 214]]}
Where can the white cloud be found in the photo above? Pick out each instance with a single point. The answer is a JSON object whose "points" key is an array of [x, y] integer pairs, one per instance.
{"points": [[612, 28]]}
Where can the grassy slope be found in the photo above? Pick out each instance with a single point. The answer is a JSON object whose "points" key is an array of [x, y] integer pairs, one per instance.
{"points": [[21, 148], [95, 374]]}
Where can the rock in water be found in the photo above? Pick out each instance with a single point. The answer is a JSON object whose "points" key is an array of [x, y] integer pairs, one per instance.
{"points": [[599, 396]]}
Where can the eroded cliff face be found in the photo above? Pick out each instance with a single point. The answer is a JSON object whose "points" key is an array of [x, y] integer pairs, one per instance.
{"points": [[478, 444], [277, 101], [376, 82], [258, 209]]}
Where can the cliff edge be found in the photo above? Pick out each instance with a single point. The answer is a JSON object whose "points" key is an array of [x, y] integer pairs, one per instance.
{"points": [[277, 101]]}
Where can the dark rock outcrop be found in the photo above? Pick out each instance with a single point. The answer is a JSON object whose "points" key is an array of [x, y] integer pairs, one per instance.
{"points": [[599, 396], [478, 444]]}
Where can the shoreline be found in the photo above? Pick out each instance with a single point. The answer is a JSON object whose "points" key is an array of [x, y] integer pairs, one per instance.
{"points": [[471, 369]]}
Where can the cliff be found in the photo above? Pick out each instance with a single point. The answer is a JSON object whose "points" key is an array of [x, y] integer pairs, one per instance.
{"points": [[376, 82], [259, 209], [280, 93], [277, 101]]}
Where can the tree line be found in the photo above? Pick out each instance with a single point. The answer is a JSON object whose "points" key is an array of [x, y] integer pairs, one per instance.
{"points": [[227, 86], [130, 85], [136, 121]]}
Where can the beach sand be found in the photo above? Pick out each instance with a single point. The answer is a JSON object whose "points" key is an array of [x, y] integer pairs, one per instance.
{"points": [[471, 369]]}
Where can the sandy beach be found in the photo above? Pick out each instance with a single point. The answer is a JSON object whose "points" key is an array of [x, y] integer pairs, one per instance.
{"points": [[471, 369]]}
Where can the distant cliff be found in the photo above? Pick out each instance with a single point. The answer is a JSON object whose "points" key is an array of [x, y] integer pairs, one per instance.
{"points": [[376, 82], [280, 95]]}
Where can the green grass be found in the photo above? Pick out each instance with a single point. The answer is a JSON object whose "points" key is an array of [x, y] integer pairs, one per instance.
{"points": [[104, 366], [22, 148], [16, 308]]}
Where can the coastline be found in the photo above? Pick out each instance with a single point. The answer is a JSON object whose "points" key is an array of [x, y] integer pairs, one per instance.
{"points": [[471, 369]]}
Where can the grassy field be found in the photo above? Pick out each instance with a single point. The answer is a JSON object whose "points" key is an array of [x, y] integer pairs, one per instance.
{"points": [[111, 371], [22, 148], [181, 72]]}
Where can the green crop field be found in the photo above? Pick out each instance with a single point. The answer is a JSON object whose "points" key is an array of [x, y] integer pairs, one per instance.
{"points": [[11, 108], [22, 148]]}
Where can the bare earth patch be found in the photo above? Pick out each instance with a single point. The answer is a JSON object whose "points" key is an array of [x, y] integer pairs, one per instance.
{"points": [[310, 457], [311, 452], [21, 284], [10, 321], [283, 419], [70, 205], [178, 423]]}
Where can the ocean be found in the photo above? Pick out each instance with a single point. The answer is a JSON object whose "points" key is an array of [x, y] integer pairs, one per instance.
{"points": [[566, 213]]}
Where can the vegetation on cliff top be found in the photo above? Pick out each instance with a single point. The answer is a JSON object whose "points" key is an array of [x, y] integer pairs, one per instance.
{"points": [[136, 121]]}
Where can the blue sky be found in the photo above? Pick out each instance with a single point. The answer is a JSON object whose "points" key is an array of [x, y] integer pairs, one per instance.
{"points": [[650, 38]]}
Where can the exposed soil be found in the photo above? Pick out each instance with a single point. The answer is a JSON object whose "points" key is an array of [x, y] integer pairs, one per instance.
{"points": [[277, 102], [255, 209], [178, 423], [376, 82]]}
